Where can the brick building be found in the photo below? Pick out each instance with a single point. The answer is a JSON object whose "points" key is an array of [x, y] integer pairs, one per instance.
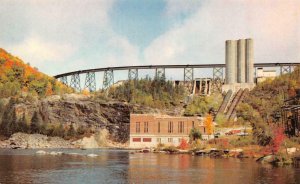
{"points": [[148, 130]]}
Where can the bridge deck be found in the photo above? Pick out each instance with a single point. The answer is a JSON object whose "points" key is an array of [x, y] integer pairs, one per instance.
{"points": [[170, 67]]}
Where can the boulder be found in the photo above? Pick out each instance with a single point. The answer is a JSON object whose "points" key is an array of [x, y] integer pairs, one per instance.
{"points": [[41, 152], [92, 155], [267, 159], [291, 150]]}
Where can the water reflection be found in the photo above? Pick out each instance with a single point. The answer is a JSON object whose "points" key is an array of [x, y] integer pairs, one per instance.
{"points": [[23, 166], [189, 169]]}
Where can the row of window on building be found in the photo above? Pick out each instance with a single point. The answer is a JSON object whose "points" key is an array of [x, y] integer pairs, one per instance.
{"points": [[170, 127], [158, 140]]}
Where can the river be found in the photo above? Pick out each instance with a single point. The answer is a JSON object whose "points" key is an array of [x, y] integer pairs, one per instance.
{"points": [[115, 166]]}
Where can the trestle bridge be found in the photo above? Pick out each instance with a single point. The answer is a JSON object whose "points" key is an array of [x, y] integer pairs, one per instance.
{"points": [[218, 73]]}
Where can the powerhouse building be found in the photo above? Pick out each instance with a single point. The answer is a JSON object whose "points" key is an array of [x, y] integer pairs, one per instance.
{"points": [[149, 130]]}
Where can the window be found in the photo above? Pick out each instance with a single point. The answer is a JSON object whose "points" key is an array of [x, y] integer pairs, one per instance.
{"points": [[136, 139], [158, 140], [137, 127], [170, 127], [146, 127], [181, 127], [146, 139], [193, 124], [170, 139], [158, 127], [179, 140], [204, 129]]}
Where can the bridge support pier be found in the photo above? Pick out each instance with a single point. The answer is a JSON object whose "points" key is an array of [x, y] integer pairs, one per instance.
{"points": [[64, 80], [285, 69], [90, 81], [108, 78], [75, 82], [133, 74], [160, 73], [218, 79], [189, 78]]}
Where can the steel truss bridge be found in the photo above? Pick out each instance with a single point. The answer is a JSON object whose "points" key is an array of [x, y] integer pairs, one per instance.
{"points": [[108, 77]]}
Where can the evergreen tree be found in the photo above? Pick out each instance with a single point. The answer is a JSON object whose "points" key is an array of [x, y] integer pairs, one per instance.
{"points": [[195, 134], [59, 131], [71, 132], [22, 125], [9, 120], [35, 126]]}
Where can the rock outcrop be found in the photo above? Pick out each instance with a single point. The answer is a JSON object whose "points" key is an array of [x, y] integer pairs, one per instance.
{"points": [[78, 110]]}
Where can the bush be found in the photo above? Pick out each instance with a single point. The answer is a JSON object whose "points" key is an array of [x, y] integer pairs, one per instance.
{"points": [[198, 145], [160, 146], [171, 149], [221, 143], [183, 144], [242, 141]]}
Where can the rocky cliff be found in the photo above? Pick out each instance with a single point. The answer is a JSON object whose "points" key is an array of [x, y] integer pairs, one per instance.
{"points": [[78, 110]]}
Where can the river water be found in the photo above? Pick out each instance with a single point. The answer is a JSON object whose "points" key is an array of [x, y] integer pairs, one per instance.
{"points": [[115, 166]]}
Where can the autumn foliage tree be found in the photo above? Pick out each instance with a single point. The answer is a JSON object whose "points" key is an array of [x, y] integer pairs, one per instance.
{"points": [[209, 124], [17, 77], [183, 144], [278, 138]]}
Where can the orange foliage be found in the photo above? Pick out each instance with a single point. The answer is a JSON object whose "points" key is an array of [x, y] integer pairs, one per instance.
{"points": [[183, 144], [29, 74], [277, 140], [292, 92], [209, 124], [85, 92], [49, 89]]}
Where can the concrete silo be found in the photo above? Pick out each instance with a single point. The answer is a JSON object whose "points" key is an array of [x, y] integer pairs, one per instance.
{"points": [[249, 61], [241, 61], [231, 61]]}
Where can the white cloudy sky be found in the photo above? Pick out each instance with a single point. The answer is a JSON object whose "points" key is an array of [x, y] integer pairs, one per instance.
{"points": [[59, 36]]}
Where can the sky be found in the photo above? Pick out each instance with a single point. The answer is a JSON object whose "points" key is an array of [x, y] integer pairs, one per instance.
{"points": [[58, 36]]}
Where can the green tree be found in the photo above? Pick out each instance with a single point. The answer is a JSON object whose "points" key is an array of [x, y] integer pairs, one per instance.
{"points": [[9, 120], [195, 134], [71, 132], [23, 125], [36, 121], [58, 131]]}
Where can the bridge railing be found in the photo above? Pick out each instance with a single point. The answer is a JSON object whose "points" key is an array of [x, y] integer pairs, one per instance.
{"points": [[218, 74]]}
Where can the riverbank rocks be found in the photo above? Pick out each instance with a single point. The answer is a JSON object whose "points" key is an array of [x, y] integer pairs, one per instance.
{"points": [[24, 141], [55, 153], [92, 155], [291, 150], [87, 142], [267, 159], [41, 152]]}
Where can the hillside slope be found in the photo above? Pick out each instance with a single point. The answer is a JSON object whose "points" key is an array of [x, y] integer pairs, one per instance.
{"points": [[17, 77], [262, 106]]}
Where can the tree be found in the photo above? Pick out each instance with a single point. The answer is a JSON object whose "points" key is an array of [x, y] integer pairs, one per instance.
{"points": [[195, 134], [277, 140], [49, 90], [208, 122], [58, 131], [8, 124], [71, 132], [35, 126], [22, 124]]}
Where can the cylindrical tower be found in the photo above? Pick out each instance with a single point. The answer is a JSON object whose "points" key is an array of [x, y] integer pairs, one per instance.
{"points": [[249, 61], [230, 60], [241, 62]]}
